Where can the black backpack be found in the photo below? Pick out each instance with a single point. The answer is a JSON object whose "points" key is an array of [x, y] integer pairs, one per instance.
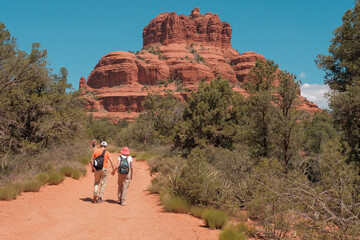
{"points": [[99, 161], [124, 166]]}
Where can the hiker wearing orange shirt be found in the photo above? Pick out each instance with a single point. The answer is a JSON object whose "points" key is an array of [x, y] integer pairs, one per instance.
{"points": [[99, 166]]}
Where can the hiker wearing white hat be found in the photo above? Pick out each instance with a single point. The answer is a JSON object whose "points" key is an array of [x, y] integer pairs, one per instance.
{"points": [[99, 166]]}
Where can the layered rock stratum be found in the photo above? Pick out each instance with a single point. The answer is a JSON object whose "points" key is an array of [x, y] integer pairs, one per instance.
{"points": [[178, 52]]}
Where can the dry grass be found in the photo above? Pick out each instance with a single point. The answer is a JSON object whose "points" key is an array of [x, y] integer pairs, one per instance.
{"points": [[174, 204], [32, 185], [67, 171], [144, 156], [42, 177], [197, 212], [9, 192], [215, 219], [231, 234], [55, 177]]}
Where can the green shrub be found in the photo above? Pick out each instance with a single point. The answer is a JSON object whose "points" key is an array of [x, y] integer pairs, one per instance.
{"points": [[215, 219], [33, 185], [200, 183], [42, 177], [55, 178], [67, 171], [231, 234], [197, 212], [175, 204], [155, 187], [76, 174], [251, 231], [19, 186], [113, 149], [9, 192], [144, 156], [166, 165], [85, 159], [82, 171]]}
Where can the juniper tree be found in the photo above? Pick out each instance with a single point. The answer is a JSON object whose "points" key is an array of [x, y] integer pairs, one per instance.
{"points": [[343, 76], [260, 113], [286, 118], [35, 109], [209, 117]]}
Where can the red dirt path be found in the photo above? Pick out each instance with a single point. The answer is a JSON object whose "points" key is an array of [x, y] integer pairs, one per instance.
{"points": [[65, 211]]}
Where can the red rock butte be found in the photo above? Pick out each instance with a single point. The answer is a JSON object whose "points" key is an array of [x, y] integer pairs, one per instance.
{"points": [[178, 52]]}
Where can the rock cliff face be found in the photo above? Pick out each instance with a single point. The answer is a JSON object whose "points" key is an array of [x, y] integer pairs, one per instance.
{"points": [[207, 30], [178, 52]]}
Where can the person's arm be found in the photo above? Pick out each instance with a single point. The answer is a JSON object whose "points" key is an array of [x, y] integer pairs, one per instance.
{"points": [[116, 168], [92, 164], [112, 165]]}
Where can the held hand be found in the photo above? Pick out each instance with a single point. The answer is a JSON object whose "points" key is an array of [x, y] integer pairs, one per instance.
{"points": [[92, 170]]}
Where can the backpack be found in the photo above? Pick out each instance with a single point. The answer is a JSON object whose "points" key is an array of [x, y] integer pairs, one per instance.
{"points": [[99, 161], [124, 166]]}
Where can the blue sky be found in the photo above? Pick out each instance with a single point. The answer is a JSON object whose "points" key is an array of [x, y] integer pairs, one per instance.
{"points": [[77, 33]]}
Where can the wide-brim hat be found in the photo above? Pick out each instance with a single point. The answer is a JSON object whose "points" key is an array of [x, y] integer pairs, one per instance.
{"points": [[125, 151]]}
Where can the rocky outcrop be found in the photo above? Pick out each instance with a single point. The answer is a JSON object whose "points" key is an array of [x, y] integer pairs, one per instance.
{"points": [[243, 63], [114, 69], [82, 82], [205, 29], [177, 47], [178, 52]]}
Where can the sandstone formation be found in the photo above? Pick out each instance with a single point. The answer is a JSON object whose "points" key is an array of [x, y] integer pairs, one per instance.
{"points": [[178, 52], [205, 29], [82, 82]]}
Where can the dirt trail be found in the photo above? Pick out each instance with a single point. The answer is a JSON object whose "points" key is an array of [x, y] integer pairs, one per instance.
{"points": [[65, 211]]}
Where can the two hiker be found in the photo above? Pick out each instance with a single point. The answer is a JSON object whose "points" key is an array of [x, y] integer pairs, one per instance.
{"points": [[124, 168]]}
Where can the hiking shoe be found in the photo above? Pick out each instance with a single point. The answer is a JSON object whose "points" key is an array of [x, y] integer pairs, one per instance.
{"points": [[122, 203], [99, 200], [94, 199]]}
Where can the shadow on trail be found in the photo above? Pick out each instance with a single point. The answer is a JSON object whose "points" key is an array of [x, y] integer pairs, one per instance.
{"points": [[86, 199], [111, 201]]}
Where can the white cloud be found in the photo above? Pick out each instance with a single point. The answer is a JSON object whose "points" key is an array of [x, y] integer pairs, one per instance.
{"points": [[315, 93], [302, 75]]}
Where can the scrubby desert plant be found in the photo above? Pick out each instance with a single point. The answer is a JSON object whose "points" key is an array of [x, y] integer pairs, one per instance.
{"points": [[55, 178], [84, 158], [67, 171], [155, 186], [32, 185], [76, 174], [174, 204], [113, 149], [200, 183], [249, 230], [231, 234], [215, 219], [197, 211], [42, 177], [9, 192]]}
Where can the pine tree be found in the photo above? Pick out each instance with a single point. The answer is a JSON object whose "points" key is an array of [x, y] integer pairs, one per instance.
{"points": [[286, 118], [261, 90], [342, 67], [209, 116]]}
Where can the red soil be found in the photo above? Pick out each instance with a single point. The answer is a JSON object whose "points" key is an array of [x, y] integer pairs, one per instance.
{"points": [[65, 211]]}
